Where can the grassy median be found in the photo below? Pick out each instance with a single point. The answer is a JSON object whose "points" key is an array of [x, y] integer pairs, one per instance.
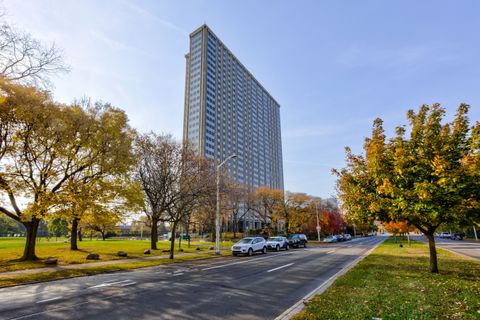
{"points": [[11, 250], [394, 283]]}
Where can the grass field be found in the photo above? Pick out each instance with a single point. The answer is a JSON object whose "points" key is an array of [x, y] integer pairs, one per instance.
{"points": [[394, 283], [11, 250]]}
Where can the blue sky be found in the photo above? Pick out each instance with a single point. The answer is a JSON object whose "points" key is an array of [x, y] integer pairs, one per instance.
{"points": [[333, 66]]}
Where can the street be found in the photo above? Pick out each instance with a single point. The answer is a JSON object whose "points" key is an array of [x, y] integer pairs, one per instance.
{"points": [[470, 249], [258, 287]]}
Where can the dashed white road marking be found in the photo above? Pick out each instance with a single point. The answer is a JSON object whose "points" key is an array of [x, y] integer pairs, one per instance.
{"points": [[105, 284], [246, 261], [281, 267], [128, 284], [47, 300]]}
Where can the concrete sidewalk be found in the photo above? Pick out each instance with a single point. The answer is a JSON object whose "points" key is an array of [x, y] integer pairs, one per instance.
{"points": [[95, 264]]}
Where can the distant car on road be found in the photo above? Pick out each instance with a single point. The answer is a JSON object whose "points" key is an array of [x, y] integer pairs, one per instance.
{"points": [[340, 237], [250, 245], [444, 235], [347, 236], [277, 243], [330, 239], [457, 236], [297, 240]]}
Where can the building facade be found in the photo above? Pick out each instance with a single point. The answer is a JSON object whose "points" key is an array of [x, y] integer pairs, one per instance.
{"points": [[228, 112]]}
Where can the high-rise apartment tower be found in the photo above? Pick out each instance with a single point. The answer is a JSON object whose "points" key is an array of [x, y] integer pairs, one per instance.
{"points": [[228, 112]]}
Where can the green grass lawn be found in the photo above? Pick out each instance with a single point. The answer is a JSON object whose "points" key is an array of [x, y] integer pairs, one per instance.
{"points": [[394, 283], [11, 250]]}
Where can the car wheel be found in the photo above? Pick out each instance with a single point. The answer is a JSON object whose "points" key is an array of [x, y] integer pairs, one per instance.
{"points": [[234, 254], [277, 248], [305, 245], [250, 252], [264, 250]]}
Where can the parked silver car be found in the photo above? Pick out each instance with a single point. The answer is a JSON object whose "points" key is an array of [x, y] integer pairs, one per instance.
{"points": [[277, 243], [250, 245]]}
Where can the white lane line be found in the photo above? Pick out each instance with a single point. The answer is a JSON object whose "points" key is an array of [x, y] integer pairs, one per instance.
{"points": [[246, 261], [47, 300], [177, 274], [331, 251], [108, 284], [278, 268], [128, 284]]}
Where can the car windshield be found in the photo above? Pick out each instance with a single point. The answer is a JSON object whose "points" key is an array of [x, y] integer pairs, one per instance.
{"points": [[292, 236], [246, 240], [277, 239]]}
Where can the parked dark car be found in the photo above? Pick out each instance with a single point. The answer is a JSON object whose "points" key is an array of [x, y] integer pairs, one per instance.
{"points": [[297, 240], [457, 236]]}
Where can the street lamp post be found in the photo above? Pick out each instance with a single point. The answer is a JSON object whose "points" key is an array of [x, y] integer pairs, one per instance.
{"points": [[217, 216], [318, 222]]}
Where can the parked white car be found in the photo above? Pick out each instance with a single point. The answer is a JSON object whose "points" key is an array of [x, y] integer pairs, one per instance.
{"points": [[277, 243], [250, 245]]}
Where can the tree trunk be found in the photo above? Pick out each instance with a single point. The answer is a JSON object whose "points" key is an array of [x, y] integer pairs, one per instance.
{"points": [[103, 235], [172, 241], [74, 234], [154, 234], [80, 235], [433, 253], [188, 233], [31, 229], [235, 223]]}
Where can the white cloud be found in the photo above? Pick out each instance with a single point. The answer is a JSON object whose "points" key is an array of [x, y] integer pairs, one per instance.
{"points": [[148, 15]]}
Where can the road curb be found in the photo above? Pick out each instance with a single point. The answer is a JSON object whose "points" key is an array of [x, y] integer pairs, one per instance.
{"points": [[297, 307]]}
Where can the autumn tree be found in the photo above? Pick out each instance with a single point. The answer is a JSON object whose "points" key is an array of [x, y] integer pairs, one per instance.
{"points": [[427, 175], [58, 227], [103, 222], [269, 203], [238, 202], [193, 183], [296, 212], [47, 147], [157, 172]]}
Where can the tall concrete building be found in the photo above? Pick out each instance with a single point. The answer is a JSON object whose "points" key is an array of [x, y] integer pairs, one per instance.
{"points": [[228, 112]]}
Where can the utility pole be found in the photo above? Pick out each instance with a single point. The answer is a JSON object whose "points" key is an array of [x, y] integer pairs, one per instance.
{"points": [[475, 232], [217, 216]]}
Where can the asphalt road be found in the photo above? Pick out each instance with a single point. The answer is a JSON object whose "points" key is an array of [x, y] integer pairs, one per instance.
{"points": [[258, 287], [471, 249]]}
